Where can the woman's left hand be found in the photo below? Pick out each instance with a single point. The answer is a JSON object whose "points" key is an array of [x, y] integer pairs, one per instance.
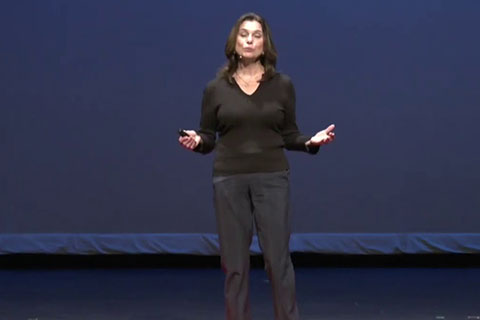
{"points": [[322, 137]]}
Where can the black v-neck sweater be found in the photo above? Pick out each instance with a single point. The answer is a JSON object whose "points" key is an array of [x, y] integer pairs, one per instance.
{"points": [[252, 129]]}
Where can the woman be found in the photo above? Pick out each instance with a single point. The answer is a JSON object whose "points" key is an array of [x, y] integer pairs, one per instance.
{"points": [[252, 108]]}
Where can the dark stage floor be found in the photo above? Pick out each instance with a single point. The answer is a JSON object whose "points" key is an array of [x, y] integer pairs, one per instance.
{"points": [[338, 293]]}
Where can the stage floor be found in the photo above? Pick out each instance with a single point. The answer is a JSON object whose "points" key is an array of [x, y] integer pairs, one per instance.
{"points": [[196, 293]]}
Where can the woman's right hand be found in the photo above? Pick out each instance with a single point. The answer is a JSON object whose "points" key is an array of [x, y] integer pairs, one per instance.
{"points": [[191, 141]]}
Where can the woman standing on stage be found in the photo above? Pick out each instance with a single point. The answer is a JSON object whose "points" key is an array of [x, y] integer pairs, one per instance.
{"points": [[252, 108]]}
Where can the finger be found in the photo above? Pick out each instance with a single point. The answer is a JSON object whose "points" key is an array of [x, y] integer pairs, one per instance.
{"points": [[192, 144], [188, 144], [330, 128], [191, 132], [186, 141]]}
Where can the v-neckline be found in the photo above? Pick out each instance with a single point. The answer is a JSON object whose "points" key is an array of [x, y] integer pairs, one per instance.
{"points": [[243, 91]]}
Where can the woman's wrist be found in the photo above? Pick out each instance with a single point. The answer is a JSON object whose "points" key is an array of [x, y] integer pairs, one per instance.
{"points": [[198, 139]]}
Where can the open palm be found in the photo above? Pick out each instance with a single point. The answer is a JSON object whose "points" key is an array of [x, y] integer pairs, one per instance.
{"points": [[323, 137]]}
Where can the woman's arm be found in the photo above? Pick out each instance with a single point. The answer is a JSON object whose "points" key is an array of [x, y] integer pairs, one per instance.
{"points": [[203, 140]]}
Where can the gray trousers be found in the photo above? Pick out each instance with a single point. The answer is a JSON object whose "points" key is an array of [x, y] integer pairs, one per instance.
{"points": [[240, 201]]}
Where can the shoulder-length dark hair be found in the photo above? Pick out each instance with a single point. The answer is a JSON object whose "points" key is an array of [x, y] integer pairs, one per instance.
{"points": [[268, 59]]}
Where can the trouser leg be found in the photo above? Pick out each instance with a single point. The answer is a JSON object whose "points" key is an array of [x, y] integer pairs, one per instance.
{"points": [[270, 197], [235, 229]]}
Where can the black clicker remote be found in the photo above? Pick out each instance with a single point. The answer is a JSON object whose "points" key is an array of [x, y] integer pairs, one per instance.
{"points": [[182, 133]]}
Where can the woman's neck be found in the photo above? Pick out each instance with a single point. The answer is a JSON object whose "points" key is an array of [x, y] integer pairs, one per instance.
{"points": [[250, 68]]}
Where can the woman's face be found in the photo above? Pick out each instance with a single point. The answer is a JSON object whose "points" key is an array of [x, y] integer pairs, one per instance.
{"points": [[249, 40]]}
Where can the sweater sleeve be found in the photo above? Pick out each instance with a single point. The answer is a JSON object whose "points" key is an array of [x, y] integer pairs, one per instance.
{"points": [[292, 137], [208, 121]]}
